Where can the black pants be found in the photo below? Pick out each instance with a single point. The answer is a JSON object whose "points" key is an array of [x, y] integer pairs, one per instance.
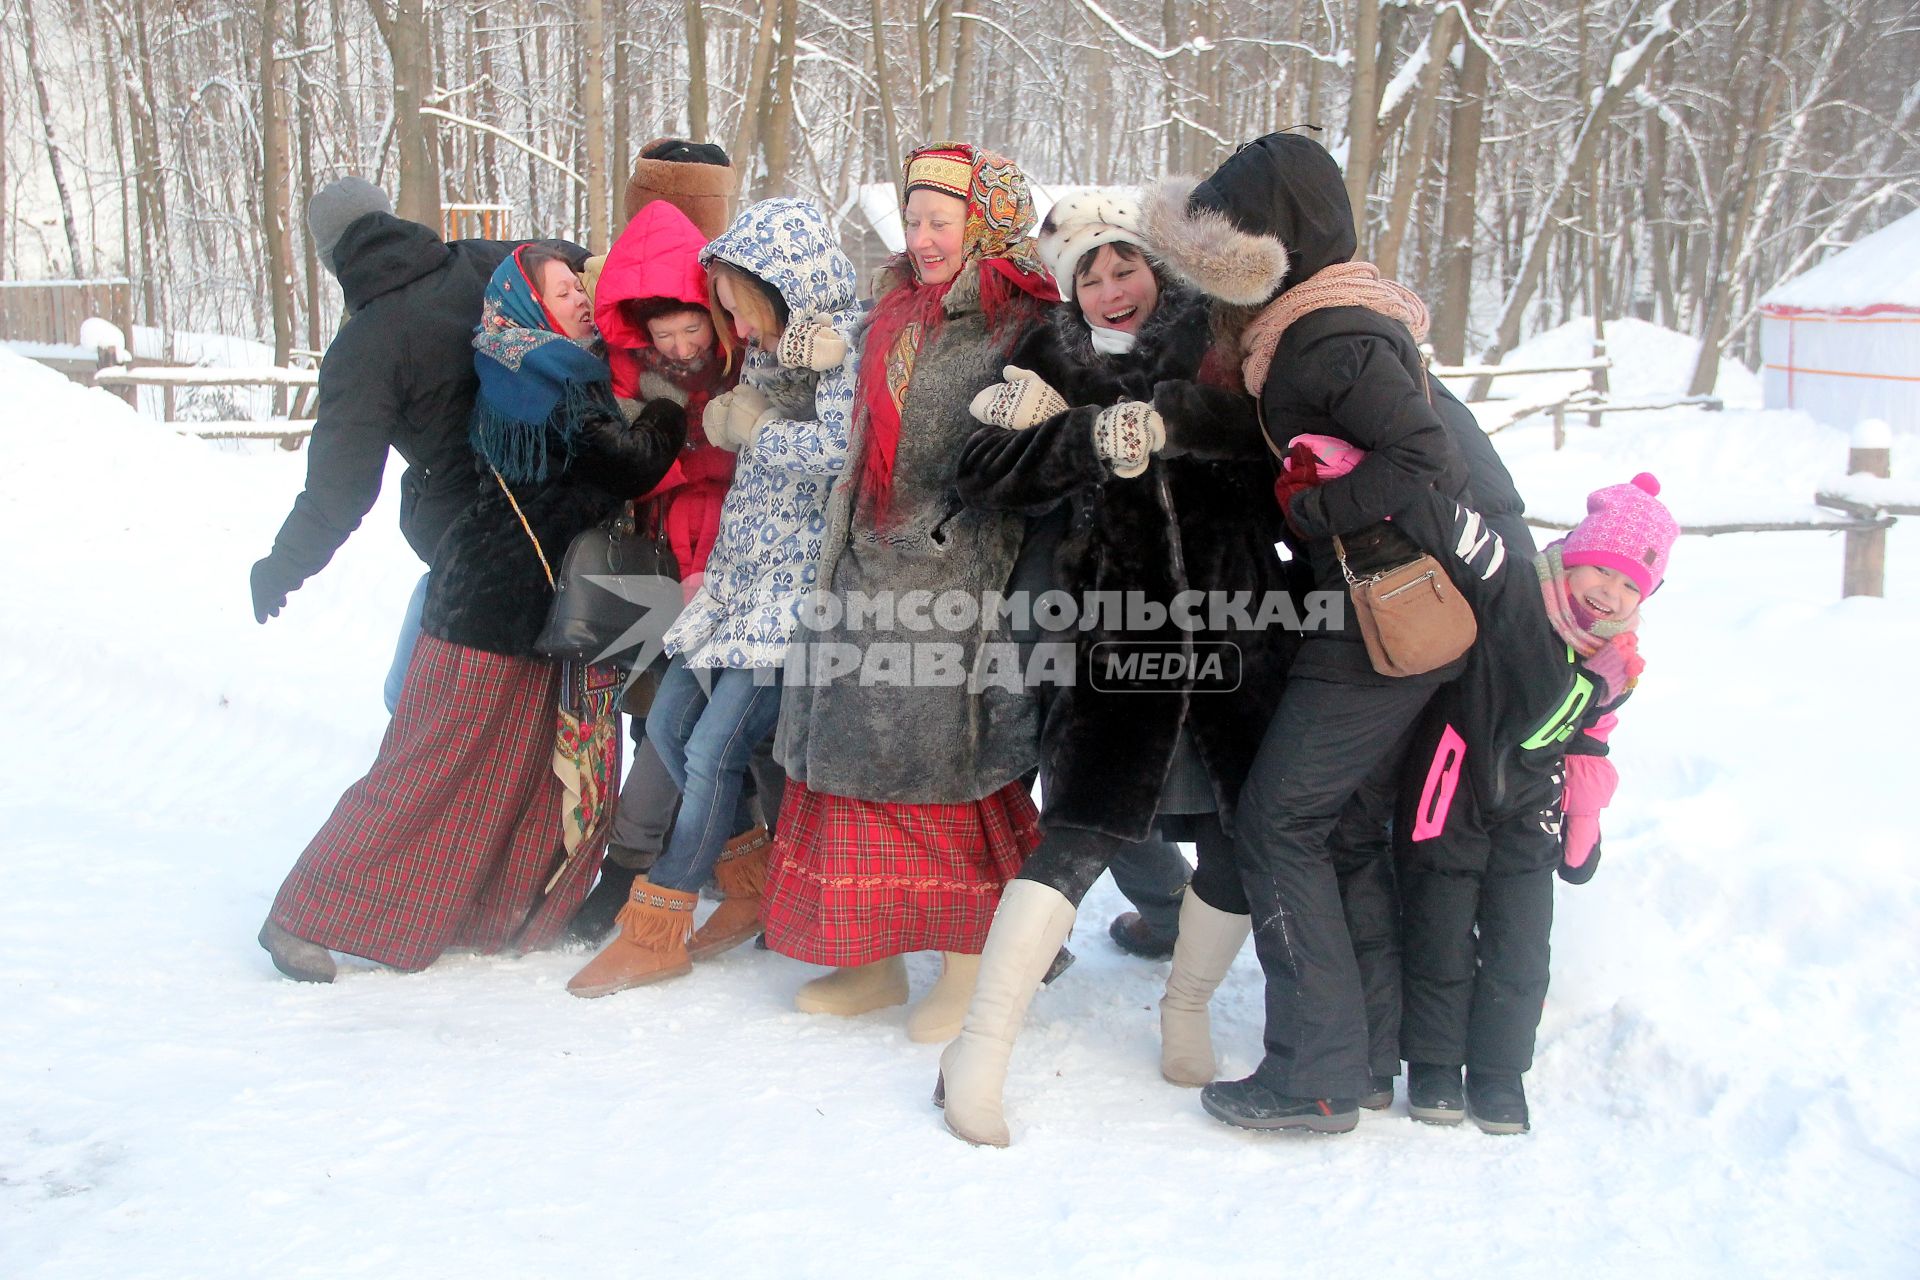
{"points": [[1477, 902], [1326, 742], [1070, 859], [1361, 847]]}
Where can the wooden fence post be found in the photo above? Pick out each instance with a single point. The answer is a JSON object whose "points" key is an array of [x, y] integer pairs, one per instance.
{"points": [[1871, 453]]}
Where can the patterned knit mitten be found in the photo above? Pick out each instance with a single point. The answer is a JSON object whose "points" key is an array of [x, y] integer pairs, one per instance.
{"points": [[811, 344], [1023, 400], [1127, 435]]}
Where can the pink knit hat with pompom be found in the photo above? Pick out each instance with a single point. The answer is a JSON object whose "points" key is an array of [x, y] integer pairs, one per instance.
{"points": [[1627, 529]]}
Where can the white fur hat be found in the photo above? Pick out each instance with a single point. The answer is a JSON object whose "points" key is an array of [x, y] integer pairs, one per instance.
{"points": [[1082, 222]]}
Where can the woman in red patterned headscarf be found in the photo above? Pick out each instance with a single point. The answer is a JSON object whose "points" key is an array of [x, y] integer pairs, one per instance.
{"points": [[908, 735]]}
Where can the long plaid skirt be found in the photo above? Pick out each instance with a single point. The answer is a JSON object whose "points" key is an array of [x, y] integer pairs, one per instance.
{"points": [[451, 837], [854, 881]]}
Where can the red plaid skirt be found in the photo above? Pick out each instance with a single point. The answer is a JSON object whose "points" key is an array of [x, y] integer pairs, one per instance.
{"points": [[450, 838], [854, 881]]}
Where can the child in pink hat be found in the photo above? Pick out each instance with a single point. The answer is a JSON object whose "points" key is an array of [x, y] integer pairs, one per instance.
{"points": [[1504, 785], [1593, 581]]}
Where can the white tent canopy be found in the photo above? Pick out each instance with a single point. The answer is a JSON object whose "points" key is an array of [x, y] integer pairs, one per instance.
{"points": [[1842, 340]]}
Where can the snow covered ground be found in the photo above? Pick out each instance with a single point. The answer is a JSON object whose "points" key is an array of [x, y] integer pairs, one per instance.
{"points": [[1722, 1086]]}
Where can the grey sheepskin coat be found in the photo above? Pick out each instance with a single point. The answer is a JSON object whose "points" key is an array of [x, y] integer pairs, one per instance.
{"points": [[902, 742]]}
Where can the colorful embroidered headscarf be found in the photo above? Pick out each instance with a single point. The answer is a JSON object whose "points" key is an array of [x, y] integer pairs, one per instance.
{"points": [[1014, 288], [537, 386]]}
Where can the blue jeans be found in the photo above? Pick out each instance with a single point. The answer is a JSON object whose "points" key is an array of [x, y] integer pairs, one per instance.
{"points": [[706, 741], [403, 649]]}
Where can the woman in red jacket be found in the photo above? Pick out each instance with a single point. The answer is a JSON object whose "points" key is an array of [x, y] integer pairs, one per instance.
{"points": [[650, 303]]}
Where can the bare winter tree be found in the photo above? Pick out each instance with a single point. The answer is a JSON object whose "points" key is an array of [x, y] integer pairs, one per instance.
{"points": [[1520, 161]]}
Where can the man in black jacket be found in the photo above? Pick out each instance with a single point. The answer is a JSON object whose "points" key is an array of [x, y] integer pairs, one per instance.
{"points": [[399, 374]]}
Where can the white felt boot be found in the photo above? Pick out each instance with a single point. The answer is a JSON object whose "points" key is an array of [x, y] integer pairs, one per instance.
{"points": [[1031, 923], [941, 1012], [855, 990], [1209, 940]]}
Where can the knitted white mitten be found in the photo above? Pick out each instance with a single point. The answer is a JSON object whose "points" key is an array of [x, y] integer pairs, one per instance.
{"points": [[1127, 435], [811, 344], [1021, 401], [733, 419]]}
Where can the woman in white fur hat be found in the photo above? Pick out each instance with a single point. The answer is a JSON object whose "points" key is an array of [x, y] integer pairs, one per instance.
{"points": [[1120, 420]]}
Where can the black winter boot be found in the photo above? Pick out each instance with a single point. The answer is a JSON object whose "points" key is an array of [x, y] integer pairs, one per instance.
{"points": [[1379, 1094], [1251, 1105], [1133, 935], [1496, 1101], [1433, 1093], [594, 920]]}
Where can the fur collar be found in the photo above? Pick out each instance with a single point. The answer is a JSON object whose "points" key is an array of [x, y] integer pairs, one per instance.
{"points": [[1204, 249], [1177, 328]]}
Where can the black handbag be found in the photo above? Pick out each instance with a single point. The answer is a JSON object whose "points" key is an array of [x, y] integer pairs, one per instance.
{"points": [[585, 619]]}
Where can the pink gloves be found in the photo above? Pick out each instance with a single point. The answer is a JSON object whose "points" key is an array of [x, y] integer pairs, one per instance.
{"points": [[1617, 665], [1590, 785]]}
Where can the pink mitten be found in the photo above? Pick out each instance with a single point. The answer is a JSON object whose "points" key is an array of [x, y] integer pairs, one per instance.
{"points": [[1591, 781], [1617, 665], [1332, 456]]}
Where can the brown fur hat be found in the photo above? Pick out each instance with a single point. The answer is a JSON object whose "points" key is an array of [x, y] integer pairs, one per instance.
{"points": [[695, 177]]}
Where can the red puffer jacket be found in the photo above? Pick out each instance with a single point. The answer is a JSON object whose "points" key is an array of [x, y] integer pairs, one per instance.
{"points": [[658, 256]]}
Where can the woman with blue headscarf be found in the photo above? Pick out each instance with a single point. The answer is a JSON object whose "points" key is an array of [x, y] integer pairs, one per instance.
{"points": [[482, 820]]}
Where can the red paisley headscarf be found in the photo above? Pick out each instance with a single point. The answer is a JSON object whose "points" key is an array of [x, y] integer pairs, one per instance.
{"points": [[1015, 289]]}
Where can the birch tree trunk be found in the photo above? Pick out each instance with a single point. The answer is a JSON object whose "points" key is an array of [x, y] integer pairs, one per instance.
{"points": [[699, 126], [746, 138], [30, 31], [883, 84], [1413, 167], [1363, 105], [275, 196], [593, 105], [403, 28], [1533, 260], [779, 140], [1706, 369], [1457, 213]]}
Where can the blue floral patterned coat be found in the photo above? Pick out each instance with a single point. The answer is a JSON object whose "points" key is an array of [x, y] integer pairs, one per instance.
{"points": [[773, 524]]}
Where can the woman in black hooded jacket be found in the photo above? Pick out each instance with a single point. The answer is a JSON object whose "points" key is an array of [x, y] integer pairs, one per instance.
{"points": [[1337, 358], [1149, 496]]}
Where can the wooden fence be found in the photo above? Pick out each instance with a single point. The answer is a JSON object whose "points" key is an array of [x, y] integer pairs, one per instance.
{"points": [[51, 310]]}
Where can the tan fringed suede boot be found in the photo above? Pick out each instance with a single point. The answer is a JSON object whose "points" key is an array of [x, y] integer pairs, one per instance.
{"points": [[742, 873], [856, 989], [651, 944]]}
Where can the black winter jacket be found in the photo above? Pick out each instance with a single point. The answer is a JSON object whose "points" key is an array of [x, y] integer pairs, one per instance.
{"points": [[488, 589], [1202, 522], [399, 374]]}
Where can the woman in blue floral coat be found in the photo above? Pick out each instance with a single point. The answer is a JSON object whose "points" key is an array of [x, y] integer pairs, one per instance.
{"points": [[784, 291]]}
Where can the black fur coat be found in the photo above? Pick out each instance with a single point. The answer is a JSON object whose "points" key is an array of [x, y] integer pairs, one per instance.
{"points": [[1202, 521], [488, 590]]}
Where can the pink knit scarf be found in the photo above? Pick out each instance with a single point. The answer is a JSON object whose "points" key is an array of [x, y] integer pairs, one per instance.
{"points": [[1345, 284]]}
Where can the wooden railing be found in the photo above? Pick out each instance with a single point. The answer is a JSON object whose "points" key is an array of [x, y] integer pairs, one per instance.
{"points": [[301, 385]]}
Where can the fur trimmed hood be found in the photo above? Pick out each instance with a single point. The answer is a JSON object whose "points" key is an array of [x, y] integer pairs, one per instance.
{"points": [[1271, 216], [1203, 248]]}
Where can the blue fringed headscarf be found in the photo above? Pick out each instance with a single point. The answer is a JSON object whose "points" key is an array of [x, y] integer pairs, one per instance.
{"points": [[537, 386]]}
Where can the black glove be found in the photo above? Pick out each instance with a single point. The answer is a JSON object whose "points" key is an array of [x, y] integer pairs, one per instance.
{"points": [[271, 584], [1207, 422], [665, 417]]}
